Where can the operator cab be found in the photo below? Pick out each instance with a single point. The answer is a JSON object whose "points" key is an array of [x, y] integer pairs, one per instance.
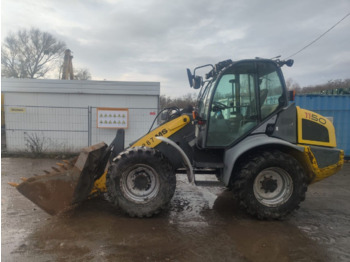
{"points": [[237, 99]]}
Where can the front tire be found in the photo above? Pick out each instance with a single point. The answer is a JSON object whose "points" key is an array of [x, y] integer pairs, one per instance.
{"points": [[141, 182], [270, 185]]}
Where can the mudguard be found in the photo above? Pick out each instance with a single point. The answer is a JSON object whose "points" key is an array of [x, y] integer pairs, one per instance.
{"points": [[231, 155]]}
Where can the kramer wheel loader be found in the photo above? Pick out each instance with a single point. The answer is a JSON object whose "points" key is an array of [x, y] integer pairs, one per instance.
{"points": [[243, 130]]}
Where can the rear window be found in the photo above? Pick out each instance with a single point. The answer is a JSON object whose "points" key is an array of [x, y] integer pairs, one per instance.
{"points": [[313, 131]]}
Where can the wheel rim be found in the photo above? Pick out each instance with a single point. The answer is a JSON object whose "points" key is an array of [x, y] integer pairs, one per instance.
{"points": [[140, 183], [273, 186]]}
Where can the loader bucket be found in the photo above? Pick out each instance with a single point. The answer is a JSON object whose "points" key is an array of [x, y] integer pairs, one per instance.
{"points": [[67, 184]]}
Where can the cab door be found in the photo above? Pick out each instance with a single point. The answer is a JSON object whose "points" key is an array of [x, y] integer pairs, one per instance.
{"points": [[242, 97]]}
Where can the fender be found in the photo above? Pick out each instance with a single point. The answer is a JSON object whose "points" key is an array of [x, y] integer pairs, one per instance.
{"points": [[253, 141], [187, 162], [149, 140]]}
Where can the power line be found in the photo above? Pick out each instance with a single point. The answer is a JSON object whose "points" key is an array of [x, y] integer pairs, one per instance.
{"points": [[319, 36]]}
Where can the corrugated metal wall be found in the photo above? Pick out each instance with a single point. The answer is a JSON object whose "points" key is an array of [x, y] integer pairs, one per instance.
{"points": [[336, 106]]}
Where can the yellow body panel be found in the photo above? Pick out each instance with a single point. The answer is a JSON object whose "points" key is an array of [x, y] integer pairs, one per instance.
{"points": [[317, 173], [100, 185], [165, 130], [148, 140], [321, 120]]}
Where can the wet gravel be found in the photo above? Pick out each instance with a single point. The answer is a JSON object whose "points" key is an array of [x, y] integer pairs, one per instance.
{"points": [[201, 224]]}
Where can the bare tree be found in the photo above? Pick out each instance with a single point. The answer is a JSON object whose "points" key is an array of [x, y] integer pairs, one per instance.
{"points": [[30, 54], [82, 74], [292, 85], [337, 86], [180, 102]]}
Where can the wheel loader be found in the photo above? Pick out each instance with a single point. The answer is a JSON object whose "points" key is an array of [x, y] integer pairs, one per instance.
{"points": [[243, 129]]}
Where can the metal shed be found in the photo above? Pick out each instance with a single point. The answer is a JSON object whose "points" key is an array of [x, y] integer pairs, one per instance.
{"points": [[336, 107], [61, 115]]}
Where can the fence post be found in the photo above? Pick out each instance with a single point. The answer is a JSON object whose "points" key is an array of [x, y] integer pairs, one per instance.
{"points": [[89, 125]]}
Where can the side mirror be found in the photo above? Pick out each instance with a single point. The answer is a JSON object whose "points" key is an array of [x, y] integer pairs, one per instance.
{"points": [[190, 77], [197, 82]]}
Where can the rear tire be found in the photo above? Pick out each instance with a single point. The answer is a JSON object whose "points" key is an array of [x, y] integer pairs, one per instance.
{"points": [[270, 185], [141, 181]]}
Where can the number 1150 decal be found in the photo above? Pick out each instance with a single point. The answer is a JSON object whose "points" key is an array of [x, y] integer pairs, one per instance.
{"points": [[315, 118]]}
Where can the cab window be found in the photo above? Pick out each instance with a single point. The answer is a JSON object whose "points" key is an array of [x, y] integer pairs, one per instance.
{"points": [[233, 109], [270, 88], [246, 94]]}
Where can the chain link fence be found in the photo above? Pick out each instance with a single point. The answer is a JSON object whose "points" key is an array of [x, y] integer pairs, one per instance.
{"points": [[43, 129]]}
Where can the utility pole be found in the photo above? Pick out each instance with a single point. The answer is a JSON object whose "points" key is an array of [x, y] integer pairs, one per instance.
{"points": [[67, 72]]}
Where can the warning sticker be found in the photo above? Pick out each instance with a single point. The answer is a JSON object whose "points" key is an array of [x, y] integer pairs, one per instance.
{"points": [[17, 110], [112, 118]]}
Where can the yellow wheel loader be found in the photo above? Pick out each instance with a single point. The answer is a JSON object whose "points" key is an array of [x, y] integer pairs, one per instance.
{"points": [[243, 130]]}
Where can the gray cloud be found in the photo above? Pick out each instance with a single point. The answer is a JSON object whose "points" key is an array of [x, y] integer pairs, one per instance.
{"points": [[156, 40]]}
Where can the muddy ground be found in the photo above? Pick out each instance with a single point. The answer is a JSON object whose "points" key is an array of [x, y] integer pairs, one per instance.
{"points": [[202, 224]]}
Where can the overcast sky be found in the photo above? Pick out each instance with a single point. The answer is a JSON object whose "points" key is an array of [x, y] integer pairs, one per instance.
{"points": [[155, 40]]}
